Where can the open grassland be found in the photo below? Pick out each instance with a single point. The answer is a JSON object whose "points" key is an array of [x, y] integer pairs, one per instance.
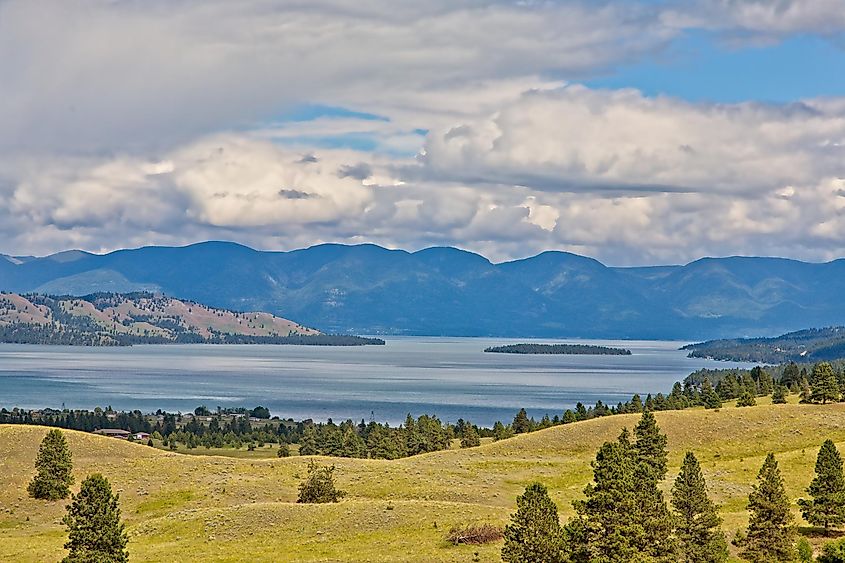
{"points": [[181, 507]]}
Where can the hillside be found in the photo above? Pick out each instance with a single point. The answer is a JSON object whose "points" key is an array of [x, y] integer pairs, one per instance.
{"points": [[182, 507], [811, 345], [122, 319], [367, 289]]}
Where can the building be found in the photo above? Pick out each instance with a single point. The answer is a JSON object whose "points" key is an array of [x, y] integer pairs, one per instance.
{"points": [[114, 433], [140, 436]]}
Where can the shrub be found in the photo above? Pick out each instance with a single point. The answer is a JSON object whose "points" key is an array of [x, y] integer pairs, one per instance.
{"points": [[283, 451], [746, 400], [805, 551], [319, 485], [474, 534], [833, 552]]}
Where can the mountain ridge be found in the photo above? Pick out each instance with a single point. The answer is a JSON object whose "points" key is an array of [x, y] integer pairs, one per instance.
{"points": [[446, 291]]}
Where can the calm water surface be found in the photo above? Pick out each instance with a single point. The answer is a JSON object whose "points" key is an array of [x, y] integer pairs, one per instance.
{"points": [[450, 377]]}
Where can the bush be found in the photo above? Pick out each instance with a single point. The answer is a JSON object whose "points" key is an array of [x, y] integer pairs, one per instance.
{"points": [[283, 451], [475, 534], [805, 551], [833, 552], [319, 485]]}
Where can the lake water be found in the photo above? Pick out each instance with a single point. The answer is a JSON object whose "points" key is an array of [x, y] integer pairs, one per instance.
{"points": [[449, 377]]}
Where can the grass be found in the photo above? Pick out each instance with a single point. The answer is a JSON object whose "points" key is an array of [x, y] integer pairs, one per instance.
{"points": [[216, 508]]}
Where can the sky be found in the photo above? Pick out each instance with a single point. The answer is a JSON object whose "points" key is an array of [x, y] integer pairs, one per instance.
{"points": [[636, 132]]}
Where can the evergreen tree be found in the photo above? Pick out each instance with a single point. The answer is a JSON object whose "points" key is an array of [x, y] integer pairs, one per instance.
{"points": [[502, 432], [770, 532], [779, 395], [308, 442], [471, 438], [827, 507], [95, 531], [53, 467], [284, 450], [352, 445], [534, 533], [709, 397], [806, 394], [521, 423], [697, 521], [746, 400], [825, 387], [636, 404], [650, 446], [791, 375]]}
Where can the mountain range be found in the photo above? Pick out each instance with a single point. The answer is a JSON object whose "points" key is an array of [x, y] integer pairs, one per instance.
{"points": [[367, 289]]}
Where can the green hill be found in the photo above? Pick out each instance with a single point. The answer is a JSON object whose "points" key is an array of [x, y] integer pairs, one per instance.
{"points": [[210, 508]]}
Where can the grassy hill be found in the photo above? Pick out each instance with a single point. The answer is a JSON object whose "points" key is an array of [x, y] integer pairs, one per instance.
{"points": [[211, 508], [115, 319]]}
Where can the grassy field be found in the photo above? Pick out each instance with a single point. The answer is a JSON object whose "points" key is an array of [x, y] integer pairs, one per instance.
{"points": [[201, 507]]}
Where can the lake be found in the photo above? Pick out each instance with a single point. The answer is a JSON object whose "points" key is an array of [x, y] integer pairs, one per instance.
{"points": [[450, 377]]}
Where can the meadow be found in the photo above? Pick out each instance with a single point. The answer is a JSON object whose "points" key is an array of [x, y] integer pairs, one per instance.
{"points": [[206, 507]]}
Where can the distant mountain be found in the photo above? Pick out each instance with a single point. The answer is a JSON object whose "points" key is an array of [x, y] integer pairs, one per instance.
{"points": [[368, 289], [108, 319], [810, 345]]}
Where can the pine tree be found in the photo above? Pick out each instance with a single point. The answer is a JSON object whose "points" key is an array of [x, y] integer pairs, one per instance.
{"points": [[650, 446], [779, 395], [308, 442], [471, 438], [319, 485], [534, 533], [806, 394], [95, 531], [827, 507], [53, 468], [825, 387], [746, 400], [709, 397], [791, 375], [697, 521], [770, 532], [521, 424]]}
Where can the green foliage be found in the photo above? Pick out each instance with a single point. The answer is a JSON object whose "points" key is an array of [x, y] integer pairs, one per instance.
{"points": [[833, 552], [576, 349], [521, 424], [53, 467], [96, 534], [779, 395], [308, 443], [696, 518], [827, 489], [825, 388], [471, 438], [709, 397], [770, 528], [319, 485], [804, 551], [534, 533], [746, 399], [624, 515], [283, 451]]}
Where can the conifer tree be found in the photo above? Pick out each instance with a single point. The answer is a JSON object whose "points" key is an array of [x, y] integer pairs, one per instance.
{"points": [[827, 489], [791, 375], [319, 485], [697, 522], [471, 438], [521, 424], [779, 395], [308, 442], [709, 397], [534, 533], [95, 531], [53, 468], [824, 387], [746, 399], [771, 531], [650, 446], [805, 394]]}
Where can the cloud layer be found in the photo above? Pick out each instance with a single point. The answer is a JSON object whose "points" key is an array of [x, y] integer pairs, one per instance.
{"points": [[165, 123]]}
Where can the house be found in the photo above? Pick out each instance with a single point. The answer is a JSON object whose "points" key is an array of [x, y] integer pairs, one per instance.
{"points": [[114, 433], [140, 436]]}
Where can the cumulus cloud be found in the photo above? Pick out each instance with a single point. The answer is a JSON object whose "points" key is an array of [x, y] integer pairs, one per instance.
{"points": [[449, 122]]}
